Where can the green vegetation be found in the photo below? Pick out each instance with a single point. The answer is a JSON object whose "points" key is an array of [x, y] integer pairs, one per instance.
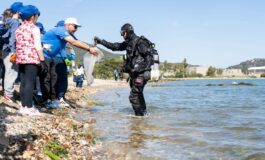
{"points": [[211, 71], [257, 62], [262, 75], [219, 71], [52, 156], [180, 69], [55, 151], [74, 126], [185, 66], [104, 69], [195, 75]]}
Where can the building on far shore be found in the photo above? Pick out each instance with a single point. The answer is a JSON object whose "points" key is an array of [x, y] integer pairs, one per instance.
{"points": [[203, 70], [197, 69], [232, 72], [169, 73], [256, 71]]}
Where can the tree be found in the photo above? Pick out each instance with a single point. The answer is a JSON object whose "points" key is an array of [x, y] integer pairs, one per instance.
{"points": [[105, 68], [185, 65], [165, 66], [211, 71], [219, 71]]}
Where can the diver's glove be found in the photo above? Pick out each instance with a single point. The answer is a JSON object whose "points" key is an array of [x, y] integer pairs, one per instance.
{"points": [[97, 41]]}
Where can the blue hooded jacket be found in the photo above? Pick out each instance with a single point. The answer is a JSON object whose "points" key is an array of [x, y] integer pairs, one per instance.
{"points": [[12, 25]]}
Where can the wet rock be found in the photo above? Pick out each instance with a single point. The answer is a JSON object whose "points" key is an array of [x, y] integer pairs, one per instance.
{"points": [[233, 84], [256, 156]]}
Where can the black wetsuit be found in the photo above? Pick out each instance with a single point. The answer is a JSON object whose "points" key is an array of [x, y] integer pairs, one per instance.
{"points": [[138, 66]]}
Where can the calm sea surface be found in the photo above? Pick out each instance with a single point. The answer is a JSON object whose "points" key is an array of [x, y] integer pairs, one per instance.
{"points": [[188, 120]]}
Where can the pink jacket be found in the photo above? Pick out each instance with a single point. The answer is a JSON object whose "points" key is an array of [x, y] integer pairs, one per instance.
{"points": [[27, 35]]}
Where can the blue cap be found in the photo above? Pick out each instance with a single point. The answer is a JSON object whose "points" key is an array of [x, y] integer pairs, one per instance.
{"points": [[28, 11], [60, 23], [15, 7], [37, 11], [42, 29]]}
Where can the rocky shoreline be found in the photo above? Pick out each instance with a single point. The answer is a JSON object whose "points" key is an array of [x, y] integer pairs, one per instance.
{"points": [[55, 134]]}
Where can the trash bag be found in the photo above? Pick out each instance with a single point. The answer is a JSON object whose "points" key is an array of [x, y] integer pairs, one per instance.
{"points": [[89, 61]]}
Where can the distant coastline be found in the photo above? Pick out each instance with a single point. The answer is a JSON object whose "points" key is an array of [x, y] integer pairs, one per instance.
{"points": [[206, 78]]}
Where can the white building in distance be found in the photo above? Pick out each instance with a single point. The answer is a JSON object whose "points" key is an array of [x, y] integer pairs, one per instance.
{"points": [[256, 71], [232, 72]]}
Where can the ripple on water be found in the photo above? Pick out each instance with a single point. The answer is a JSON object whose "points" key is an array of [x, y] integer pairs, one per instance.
{"points": [[188, 120], [229, 150]]}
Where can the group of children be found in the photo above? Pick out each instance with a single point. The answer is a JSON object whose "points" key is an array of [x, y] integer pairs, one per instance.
{"points": [[37, 56]]}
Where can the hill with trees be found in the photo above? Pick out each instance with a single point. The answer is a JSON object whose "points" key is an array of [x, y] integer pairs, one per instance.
{"points": [[257, 62]]}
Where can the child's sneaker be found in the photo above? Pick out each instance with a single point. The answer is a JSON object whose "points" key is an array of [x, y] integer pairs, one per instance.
{"points": [[32, 111], [63, 103], [56, 102], [22, 110], [8, 98], [51, 104]]}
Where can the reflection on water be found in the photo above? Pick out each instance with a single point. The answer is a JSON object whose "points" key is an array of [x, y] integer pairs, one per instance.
{"points": [[136, 145], [137, 136], [188, 120]]}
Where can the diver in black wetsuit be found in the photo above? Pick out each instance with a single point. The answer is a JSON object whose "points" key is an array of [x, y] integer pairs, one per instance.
{"points": [[137, 63]]}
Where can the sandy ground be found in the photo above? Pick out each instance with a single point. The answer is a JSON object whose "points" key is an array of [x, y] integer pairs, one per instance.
{"points": [[24, 137]]}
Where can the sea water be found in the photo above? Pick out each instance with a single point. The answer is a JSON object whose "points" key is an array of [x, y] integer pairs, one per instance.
{"points": [[187, 120]]}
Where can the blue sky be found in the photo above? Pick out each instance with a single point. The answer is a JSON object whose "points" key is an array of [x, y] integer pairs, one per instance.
{"points": [[206, 32]]}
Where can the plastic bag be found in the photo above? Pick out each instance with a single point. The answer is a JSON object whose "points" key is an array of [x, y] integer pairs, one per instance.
{"points": [[89, 61]]}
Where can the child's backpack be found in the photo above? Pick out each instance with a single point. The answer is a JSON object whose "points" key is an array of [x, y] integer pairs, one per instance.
{"points": [[3, 30]]}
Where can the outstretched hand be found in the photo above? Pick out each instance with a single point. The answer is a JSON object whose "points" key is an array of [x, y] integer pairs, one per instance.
{"points": [[93, 51]]}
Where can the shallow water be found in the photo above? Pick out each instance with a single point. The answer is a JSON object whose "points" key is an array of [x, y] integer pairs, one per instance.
{"points": [[188, 120]]}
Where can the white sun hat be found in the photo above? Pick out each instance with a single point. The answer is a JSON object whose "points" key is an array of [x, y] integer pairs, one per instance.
{"points": [[72, 20]]}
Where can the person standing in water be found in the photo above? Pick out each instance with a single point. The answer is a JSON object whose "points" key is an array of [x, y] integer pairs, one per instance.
{"points": [[137, 63]]}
